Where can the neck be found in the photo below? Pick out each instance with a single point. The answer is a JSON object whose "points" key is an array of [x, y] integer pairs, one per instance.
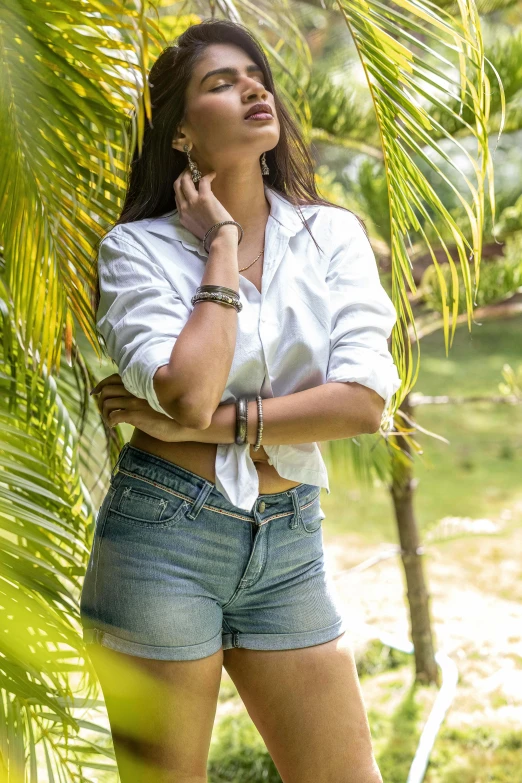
{"points": [[243, 196]]}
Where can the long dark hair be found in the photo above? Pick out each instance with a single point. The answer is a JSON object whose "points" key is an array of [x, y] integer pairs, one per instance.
{"points": [[150, 191]]}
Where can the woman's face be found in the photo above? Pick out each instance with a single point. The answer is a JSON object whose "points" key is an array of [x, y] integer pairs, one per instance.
{"points": [[215, 127]]}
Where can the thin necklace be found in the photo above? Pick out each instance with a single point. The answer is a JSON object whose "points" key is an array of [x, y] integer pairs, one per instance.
{"points": [[253, 262]]}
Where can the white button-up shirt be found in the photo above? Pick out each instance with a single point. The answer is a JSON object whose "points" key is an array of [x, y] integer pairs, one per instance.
{"points": [[320, 317]]}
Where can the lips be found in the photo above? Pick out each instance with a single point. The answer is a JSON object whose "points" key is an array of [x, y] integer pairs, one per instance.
{"points": [[259, 108]]}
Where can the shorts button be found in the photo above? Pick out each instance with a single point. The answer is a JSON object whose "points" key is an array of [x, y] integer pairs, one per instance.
{"points": [[262, 506]]}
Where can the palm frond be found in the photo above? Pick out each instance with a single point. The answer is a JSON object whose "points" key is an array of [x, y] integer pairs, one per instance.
{"points": [[505, 56], [66, 78], [414, 55], [483, 6], [503, 63], [46, 528]]}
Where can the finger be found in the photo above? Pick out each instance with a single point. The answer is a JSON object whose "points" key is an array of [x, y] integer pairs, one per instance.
{"points": [[205, 183], [130, 403], [117, 417], [113, 398], [122, 403], [124, 417], [181, 201], [114, 378], [188, 186], [113, 390], [138, 418], [181, 188]]}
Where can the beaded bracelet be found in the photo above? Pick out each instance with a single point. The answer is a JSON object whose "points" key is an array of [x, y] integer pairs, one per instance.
{"points": [[217, 296]]}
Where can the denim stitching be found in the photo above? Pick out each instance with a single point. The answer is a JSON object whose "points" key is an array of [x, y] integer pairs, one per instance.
{"points": [[211, 508], [156, 484]]}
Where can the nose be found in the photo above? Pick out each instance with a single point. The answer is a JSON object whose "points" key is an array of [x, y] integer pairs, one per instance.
{"points": [[257, 89]]}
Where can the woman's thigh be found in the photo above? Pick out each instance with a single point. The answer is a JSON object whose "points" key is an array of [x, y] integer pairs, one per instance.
{"points": [[161, 713], [307, 705]]}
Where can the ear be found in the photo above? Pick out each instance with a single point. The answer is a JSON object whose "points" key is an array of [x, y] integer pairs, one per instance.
{"points": [[179, 140]]}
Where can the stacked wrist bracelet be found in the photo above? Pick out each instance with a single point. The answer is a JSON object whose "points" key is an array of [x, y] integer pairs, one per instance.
{"points": [[217, 293], [242, 421]]}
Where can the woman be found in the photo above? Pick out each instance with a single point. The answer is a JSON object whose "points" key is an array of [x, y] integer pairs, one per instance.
{"points": [[208, 545]]}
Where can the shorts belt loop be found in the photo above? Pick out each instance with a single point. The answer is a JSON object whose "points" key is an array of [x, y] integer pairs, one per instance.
{"points": [[203, 495], [296, 517], [120, 457]]}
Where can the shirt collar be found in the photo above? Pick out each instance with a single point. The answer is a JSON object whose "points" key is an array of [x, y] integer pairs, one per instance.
{"points": [[281, 209]]}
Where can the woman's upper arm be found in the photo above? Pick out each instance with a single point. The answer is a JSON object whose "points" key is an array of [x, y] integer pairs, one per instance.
{"points": [[140, 313], [362, 313]]}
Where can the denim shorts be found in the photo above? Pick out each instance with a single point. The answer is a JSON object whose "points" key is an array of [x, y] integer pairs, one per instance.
{"points": [[176, 571]]}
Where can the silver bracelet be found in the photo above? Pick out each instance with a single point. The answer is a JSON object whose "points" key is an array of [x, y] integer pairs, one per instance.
{"points": [[259, 401], [225, 289], [217, 296], [241, 420], [223, 223]]}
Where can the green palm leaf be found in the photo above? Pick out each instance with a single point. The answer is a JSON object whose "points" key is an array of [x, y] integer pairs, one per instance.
{"points": [[61, 96], [65, 78], [410, 51], [46, 521]]}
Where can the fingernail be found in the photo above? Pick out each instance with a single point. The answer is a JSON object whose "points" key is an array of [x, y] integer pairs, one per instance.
{"points": [[92, 390]]}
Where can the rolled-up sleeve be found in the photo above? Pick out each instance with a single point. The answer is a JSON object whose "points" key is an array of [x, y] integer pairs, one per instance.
{"points": [[140, 314], [362, 313]]}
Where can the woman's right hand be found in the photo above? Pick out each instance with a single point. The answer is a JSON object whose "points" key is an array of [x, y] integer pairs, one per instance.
{"points": [[200, 209], [119, 406]]}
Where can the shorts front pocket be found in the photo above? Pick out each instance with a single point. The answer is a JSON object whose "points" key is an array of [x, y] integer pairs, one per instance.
{"points": [[312, 514], [138, 501]]}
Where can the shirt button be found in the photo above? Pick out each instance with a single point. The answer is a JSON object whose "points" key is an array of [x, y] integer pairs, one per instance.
{"points": [[262, 506]]}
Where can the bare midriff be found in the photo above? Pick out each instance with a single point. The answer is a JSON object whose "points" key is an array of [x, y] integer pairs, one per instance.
{"points": [[200, 458]]}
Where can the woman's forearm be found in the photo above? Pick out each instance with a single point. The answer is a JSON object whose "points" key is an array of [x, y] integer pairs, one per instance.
{"points": [[328, 412], [190, 386]]}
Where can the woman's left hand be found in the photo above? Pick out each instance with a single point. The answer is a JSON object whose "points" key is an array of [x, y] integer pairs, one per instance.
{"points": [[118, 406]]}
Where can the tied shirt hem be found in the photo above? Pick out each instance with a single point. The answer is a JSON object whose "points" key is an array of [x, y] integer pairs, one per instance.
{"points": [[237, 478]]}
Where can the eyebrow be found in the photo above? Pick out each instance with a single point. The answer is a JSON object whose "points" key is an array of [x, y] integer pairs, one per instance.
{"points": [[231, 71]]}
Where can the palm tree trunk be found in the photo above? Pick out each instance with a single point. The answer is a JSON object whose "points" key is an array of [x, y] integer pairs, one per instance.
{"points": [[402, 489]]}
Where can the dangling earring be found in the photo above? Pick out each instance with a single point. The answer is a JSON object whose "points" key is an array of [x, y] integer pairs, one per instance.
{"points": [[264, 167], [194, 171]]}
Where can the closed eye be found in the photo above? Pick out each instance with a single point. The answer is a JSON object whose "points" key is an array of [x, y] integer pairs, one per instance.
{"points": [[220, 87]]}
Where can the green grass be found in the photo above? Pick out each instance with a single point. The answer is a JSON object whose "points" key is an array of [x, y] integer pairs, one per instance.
{"points": [[238, 753], [476, 754], [478, 472], [377, 657]]}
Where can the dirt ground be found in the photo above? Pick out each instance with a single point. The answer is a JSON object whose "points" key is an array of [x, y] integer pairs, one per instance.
{"points": [[475, 585]]}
